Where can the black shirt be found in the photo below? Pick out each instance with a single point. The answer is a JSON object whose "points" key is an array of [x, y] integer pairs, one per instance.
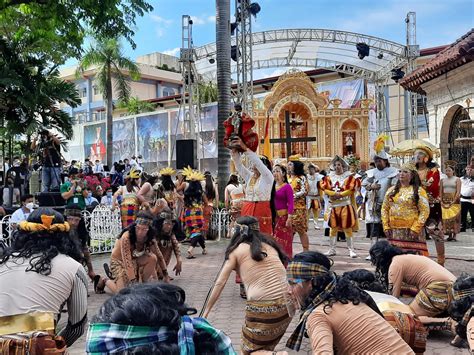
{"points": [[51, 153]]}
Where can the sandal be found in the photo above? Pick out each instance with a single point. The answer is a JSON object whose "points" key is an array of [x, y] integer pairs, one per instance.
{"points": [[204, 252], [99, 290], [190, 256], [108, 272]]}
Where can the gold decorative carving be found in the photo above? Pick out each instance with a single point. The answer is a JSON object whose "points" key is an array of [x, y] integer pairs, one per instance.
{"points": [[336, 102]]}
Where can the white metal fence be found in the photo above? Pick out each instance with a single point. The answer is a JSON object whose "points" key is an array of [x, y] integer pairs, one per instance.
{"points": [[104, 225]]}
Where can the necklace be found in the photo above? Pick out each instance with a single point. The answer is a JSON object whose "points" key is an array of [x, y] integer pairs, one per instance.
{"points": [[137, 254]]}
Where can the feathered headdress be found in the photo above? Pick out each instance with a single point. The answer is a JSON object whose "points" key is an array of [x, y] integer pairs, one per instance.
{"points": [[133, 174], [193, 175], [167, 171], [379, 146]]}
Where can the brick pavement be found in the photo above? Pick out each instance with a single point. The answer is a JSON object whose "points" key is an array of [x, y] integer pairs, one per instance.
{"points": [[198, 275]]}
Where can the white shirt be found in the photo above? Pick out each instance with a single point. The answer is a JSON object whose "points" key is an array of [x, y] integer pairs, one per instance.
{"points": [[90, 200], [98, 168], [19, 215], [467, 188], [259, 189], [313, 184], [106, 200]]}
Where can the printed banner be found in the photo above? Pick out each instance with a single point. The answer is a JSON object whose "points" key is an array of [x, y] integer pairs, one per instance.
{"points": [[94, 142], [124, 139], [152, 132]]}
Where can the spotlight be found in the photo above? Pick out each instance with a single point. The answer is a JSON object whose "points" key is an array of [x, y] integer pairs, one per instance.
{"points": [[212, 60], [380, 56], [362, 50], [254, 9], [397, 74], [234, 53]]}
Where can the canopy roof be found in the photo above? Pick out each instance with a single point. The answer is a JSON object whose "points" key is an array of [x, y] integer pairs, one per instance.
{"points": [[313, 48]]}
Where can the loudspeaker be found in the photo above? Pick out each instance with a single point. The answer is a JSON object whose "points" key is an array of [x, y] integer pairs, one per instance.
{"points": [[186, 153], [50, 199]]}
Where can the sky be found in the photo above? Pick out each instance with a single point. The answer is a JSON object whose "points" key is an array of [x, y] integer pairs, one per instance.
{"points": [[438, 22]]}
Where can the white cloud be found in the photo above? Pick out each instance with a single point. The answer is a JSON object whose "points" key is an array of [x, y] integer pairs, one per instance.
{"points": [[174, 52], [159, 19], [203, 20]]}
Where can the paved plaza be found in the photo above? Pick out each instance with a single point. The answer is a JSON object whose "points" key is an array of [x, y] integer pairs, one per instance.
{"points": [[198, 276]]}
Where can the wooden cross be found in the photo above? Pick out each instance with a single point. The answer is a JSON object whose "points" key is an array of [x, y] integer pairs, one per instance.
{"points": [[288, 139]]}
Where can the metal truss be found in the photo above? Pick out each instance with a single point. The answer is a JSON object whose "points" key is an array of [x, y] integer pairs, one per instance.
{"points": [[315, 63], [395, 54]]}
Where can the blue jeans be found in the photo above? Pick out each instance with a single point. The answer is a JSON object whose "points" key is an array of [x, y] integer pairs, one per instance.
{"points": [[50, 178]]}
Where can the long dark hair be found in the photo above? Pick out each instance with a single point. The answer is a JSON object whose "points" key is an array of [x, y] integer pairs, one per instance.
{"points": [[42, 247], [365, 280], [255, 239], [233, 180], [130, 184], [152, 179], [272, 195], [209, 187], [150, 235], [158, 227], [193, 194], [381, 255], [154, 305], [414, 182], [167, 183], [344, 292], [458, 308], [298, 168]]}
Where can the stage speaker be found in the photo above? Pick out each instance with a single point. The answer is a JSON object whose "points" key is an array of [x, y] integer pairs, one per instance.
{"points": [[50, 199], [186, 153]]}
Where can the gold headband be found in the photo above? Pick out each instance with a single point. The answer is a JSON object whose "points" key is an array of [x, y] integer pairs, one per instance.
{"points": [[46, 225], [409, 166]]}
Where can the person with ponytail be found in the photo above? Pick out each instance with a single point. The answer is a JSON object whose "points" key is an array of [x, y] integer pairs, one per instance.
{"points": [[335, 314], [260, 261]]}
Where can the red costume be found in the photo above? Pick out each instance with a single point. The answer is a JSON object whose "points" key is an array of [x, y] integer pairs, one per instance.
{"points": [[241, 124]]}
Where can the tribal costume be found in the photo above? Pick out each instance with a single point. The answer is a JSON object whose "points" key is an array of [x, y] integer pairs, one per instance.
{"points": [[257, 190], [313, 199], [129, 206], [168, 247], [300, 213], [284, 206], [265, 324], [401, 216], [341, 211], [432, 280], [129, 266], [450, 202], [401, 317], [193, 222]]}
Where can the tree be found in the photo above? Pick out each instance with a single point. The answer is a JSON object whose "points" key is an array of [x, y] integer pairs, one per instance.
{"points": [[106, 55], [135, 106], [30, 93], [56, 29], [223, 87], [207, 93]]}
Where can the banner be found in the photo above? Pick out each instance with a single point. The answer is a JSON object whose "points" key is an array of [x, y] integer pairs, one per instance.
{"points": [[123, 139], [152, 134], [348, 91], [94, 142]]}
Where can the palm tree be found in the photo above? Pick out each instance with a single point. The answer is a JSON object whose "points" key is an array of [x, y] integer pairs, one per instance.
{"points": [[107, 56], [223, 86]]}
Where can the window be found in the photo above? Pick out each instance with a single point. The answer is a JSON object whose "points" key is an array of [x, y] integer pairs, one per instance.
{"points": [[96, 90], [84, 92], [168, 92]]}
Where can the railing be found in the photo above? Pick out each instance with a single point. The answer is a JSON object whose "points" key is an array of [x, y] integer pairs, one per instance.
{"points": [[219, 226], [104, 225]]}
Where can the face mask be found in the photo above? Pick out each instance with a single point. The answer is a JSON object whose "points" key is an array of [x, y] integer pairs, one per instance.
{"points": [[30, 206], [89, 195], [109, 194], [78, 189]]}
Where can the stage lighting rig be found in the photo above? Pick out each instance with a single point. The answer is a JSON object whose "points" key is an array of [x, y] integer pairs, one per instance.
{"points": [[397, 74], [363, 50]]}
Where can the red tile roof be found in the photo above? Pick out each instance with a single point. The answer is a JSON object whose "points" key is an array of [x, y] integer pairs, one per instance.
{"points": [[453, 56]]}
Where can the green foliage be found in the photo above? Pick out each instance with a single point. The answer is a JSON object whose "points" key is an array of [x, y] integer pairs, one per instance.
{"points": [[30, 93], [55, 29], [207, 92], [113, 70], [135, 106], [106, 55]]}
